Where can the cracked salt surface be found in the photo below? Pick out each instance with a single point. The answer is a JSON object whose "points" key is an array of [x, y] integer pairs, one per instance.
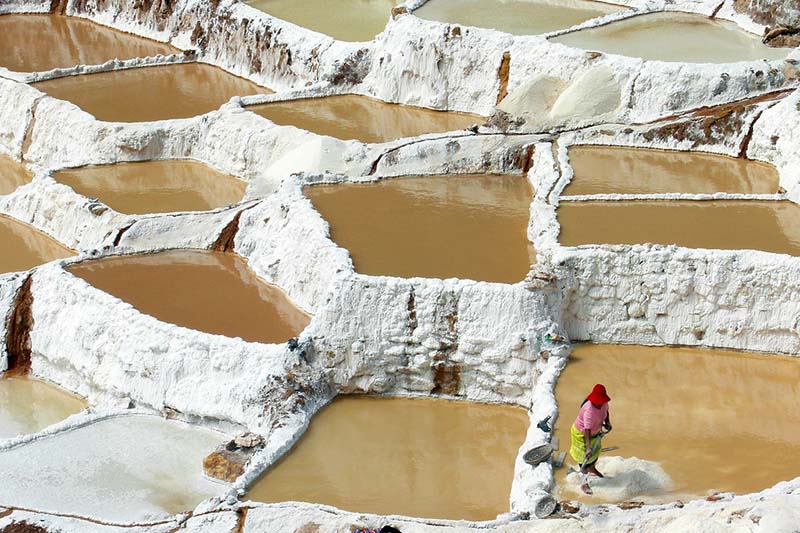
{"points": [[124, 469]]}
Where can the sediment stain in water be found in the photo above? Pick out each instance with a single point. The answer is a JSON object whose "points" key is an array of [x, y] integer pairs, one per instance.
{"points": [[212, 292], [36, 43], [13, 174], [345, 20], [361, 118], [414, 457], [715, 420], [25, 247], [678, 37], [155, 186], [28, 405], [518, 17], [123, 469], [718, 224], [151, 93], [620, 170], [468, 226]]}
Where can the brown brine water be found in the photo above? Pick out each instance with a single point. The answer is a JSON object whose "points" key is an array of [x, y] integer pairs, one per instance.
{"points": [[415, 457], [345, 20], [155, 186], [151, 93], [770, 226], [28, 405], [715, 420], [35, 43], [212, 292], [451, 226], [620, 170], [361, 118], [13, 175], [679, 37], [518, 17], [25, 247]]}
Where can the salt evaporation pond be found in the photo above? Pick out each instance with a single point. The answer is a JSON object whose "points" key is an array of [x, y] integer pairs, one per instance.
{"points": [[13, 174], [151, 93], [345, 20], [450, 226], [25, 247], [212, 292], [124, 469], [518, 17], [155, 186], [29, 405], [621, 170], [715, 420], [35, 43], [674, 37], [724, 224], [365, 119], [400, 456]]}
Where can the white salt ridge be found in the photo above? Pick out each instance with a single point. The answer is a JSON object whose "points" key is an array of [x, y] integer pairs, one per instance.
{"points": [[626, 478]]}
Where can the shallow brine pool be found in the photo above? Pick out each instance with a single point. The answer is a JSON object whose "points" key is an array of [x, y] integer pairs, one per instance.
{"points": [[714, 420], [155, 186], [451, 226], [13, 175], [208, 291], [25, 247], [414, 457], [674, 37], [29, 405], [361, 118], [151, 93], [35, 43]]}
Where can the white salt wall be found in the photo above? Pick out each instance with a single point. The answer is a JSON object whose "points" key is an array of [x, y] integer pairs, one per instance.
{"points": [[776, 137]]}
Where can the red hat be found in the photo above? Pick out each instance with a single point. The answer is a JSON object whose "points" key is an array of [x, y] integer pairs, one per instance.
{"points": [[598, 395]]}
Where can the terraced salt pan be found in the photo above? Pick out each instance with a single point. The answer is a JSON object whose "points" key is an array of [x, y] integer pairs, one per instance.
{"points": [[29, 405], [365, 119], [151, 93], [621, 170], [208, 291], [518, 17], [450, 226], [24, 247], [35, 43], [723, 224], [123, 469], [714, 420], [155, 186], [414, 457], [345, 20], [12, 175], [679, 37]]}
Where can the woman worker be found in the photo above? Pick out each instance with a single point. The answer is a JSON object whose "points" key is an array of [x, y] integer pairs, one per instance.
{"points": [[592, 417]]}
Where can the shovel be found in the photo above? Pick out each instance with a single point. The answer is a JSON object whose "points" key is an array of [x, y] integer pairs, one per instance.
{"points": [[585, 485]]}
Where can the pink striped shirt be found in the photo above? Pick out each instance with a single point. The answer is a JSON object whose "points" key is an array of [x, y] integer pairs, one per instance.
{"points": [[591, 418]]}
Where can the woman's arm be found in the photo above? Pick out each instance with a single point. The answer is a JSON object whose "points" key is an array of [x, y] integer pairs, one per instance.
{"points": [[607, 422], [587, 439]]}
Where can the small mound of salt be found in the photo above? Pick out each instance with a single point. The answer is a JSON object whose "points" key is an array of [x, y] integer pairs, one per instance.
{"points": [[625, 478]]}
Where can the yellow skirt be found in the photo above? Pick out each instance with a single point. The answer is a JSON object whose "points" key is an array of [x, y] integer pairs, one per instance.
{"points": [[577, 449]]}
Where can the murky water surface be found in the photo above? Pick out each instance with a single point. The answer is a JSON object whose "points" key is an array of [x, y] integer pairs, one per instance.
{"points": [[715, 420], [674, 37], [29, 405], [518, 17], [13, 174], [207, 291], [151, 93], [35, 43], [365, 119], [124, 469], [155, 186], [25, 247], [470, 226], [345, 20], [609, 170], [728, 225], [414, 457]]}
